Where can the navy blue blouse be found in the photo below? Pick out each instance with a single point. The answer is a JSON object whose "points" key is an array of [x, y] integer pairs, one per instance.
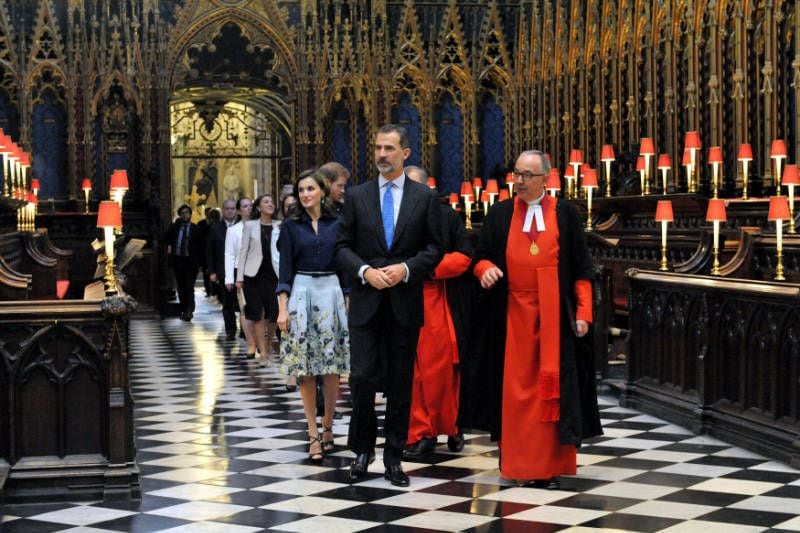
{"points": [[303, 250]]}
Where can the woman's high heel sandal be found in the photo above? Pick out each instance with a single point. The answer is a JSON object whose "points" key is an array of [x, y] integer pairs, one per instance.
{"points": [[315, 456], [327, 438]]}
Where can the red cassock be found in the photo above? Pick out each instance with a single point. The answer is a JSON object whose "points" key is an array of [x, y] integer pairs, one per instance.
{"points": [[530, 446], [434, 396]]}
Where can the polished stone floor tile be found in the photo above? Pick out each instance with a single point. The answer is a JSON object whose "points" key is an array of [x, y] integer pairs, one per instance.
{"points": [[222, 447]]}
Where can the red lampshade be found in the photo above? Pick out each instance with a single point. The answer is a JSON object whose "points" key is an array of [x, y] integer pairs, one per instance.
{"points": [[716, 210], [432, 182], [692, 140], [664, 161], [509, 178], [575, 157], [119, 180], [715, 154], [589, 177], [778, 208], [24, 159], [86, 184], [664, 211], [640, 163], [491, 187], [453, 199], [35, 186], [484, 196], [790, 175], [647, 146], [109, 215], [14, 152], [62, 286], [5, 142], [607, 153], [745, 152], [569, 173], [31, 198], [778, 149], [476, 182], [687, 157], [504, 195], [553, 179]]}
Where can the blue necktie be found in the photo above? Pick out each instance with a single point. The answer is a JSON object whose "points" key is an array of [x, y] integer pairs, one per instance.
{"points": [[387, 214]]}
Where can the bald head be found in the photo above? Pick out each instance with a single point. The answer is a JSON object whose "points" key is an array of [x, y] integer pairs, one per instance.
{"points": [[417, 174]]}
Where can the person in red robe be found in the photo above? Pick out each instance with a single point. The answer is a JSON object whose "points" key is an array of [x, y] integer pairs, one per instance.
{"points": [[533, 372], [435, 392]]}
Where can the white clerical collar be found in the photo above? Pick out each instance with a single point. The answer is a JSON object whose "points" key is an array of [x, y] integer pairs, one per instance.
{"points": [[534, 212]]}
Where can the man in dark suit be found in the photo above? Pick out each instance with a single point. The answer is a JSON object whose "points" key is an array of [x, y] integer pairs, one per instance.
{"points": [[389, 242], [215, 263], [184, 251]]}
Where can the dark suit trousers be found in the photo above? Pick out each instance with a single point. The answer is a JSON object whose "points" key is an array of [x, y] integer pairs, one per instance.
{"points": [[381, 358], [185, 275], [229, 307]]}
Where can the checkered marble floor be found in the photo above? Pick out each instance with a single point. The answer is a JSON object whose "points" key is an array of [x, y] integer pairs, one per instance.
{"points": [[222, 447]]}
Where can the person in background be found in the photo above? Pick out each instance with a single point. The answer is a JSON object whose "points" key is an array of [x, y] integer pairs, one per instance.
{"points": [[311, 314], [233, 241], [536, 384], [203, 226], [256, 275], [184, 250], [215, 262], [434, 397], [287, 204], [337, 176]]}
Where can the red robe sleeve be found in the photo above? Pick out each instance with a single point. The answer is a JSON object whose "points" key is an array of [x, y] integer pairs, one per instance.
{"points": [[452, 265], [583, 294], [481, 268]]}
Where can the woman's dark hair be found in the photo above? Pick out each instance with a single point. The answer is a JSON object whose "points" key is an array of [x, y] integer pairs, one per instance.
{"points": [[285, 211], [322, 183], [256, 211]]}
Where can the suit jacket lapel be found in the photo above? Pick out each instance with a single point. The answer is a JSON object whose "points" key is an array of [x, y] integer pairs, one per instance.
{"points": [[406, 207], [373, 201]]}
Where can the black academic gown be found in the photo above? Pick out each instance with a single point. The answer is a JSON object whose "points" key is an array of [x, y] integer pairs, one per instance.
{"points": [[483, 362]]}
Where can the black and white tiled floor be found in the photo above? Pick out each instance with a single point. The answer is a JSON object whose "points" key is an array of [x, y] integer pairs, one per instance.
{"points": [[222, 447]]}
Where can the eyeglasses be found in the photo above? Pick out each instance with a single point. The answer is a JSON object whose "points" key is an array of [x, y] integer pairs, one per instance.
{"points": [[526, 175]]}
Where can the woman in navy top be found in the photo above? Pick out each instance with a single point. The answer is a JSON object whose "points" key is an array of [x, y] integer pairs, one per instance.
{"points": [[311, 310]]}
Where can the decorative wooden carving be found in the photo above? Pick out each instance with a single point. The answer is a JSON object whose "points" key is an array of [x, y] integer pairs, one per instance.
{"points": [[720, 355]]}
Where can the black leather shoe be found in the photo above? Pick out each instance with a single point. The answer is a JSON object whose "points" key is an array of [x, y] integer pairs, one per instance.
{"points": [[395, 475], [230, 336], [548, 484], [455, 443], [421, 448], [359, 466]]}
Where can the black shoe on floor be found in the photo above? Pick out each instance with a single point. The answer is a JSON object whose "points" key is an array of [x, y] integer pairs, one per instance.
{"points": [[547, 484], [230, 336], [421, 448], [395, 475], [359, 466], [455, 443]]}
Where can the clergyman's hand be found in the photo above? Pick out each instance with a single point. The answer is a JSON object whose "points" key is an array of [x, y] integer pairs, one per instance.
{"points": [[490, 277]]}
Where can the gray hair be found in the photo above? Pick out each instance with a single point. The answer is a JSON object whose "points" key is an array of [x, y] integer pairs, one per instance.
{"points": [[419, 172], [542, 156]]}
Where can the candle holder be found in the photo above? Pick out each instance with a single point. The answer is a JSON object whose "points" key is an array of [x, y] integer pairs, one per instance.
{"points": [[665, 216], [109, 217], [640, 167], [492, 189], [715, 160], [647, 149], [686, 162], [693, 144], [664, 164], [791, 179], [589, 183], [553, 184], [477, 185], [453, 201], [745, 156], [569, 179], [778, 153], [716, 214], [575, 160], [607, 156], [778, 211], [510, 183], [485, 201], [468, 214], [86, 185]]}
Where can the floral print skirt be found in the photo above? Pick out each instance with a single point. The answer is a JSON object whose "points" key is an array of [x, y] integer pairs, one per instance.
{"points": [[318, 341]]}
